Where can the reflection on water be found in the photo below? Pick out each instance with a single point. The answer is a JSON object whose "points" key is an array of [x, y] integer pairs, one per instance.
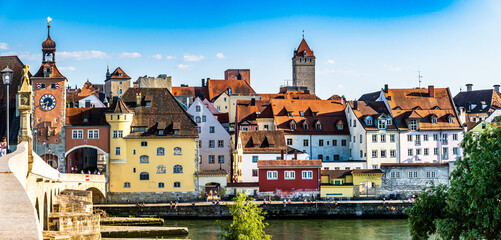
{"points": [[321, 229]]}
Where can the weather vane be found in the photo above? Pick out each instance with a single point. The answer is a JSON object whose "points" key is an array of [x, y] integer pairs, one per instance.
{"points": [[49, 20], [419, 77], [303, 34]]}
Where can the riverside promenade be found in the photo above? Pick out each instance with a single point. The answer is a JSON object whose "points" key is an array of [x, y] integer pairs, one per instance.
{"points": [[275, 209]]}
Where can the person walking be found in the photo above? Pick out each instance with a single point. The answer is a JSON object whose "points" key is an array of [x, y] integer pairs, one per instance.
{"points": [[3, 147]]}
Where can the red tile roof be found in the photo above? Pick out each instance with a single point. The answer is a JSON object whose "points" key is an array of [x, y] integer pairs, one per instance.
{"points": [[246, 112], [94, 116], [194, 92], [303, 46], [119, 74], [264, 141], [55, 71], [373, 109], [238, 87], [288, 95], [289, 163]]}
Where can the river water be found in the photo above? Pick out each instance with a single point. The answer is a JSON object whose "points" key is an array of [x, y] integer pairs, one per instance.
{"points": [[321, 229]]}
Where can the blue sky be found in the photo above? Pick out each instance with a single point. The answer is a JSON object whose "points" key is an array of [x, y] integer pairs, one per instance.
{"points": [[359, 45]]}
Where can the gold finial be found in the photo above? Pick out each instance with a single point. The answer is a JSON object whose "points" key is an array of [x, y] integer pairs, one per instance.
{"points": [[49, 20]]}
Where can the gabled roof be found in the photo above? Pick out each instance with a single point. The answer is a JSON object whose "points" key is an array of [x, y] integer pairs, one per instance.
{"points": [[120, 107], [373, 96], [373, 109], [247, 112], [55, 71], [119, 74], [489, 97], [288, 95], [238, 87], [163, 113], [289, 163], [94, 116], [267, 141], [333, 174], [194, 92], [303, 46], [328, 112]]}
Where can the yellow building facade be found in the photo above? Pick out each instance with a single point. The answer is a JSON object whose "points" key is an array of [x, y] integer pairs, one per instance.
{"points": [[350, 183]]}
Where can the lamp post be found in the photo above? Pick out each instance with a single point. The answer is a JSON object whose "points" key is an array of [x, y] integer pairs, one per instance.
{"points": [[7, 77]]}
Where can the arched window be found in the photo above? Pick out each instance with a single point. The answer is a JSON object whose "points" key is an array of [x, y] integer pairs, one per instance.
{"points": [[318, 126], [126, 184], [144, 176], [293, 126], [382, 124], [161, 185], [161, 169], [305, 125], [160, 151], [144, 159], [178, 169], [178, 151], [197, 119], [451, 119], [434, 119], [197, 108], [340, 126], [368, 121], [177, 184]]}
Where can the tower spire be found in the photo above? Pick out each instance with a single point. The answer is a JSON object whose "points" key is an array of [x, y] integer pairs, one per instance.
{"points": [[303, 34]]}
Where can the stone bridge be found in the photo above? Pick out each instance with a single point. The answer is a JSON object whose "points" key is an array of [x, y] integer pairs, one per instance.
{"points": [[28, 186]]}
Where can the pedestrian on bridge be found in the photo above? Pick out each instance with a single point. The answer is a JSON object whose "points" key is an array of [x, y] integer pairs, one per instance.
{"points": [[3, 147]]}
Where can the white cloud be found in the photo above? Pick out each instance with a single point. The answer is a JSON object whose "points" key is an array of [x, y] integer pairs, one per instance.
{"points": [[4, 46], [330, 61], [67, 69], [24, 55], [184, 67], [170, 57], [340, 86], [129, 55], [392, 68], [82, 55], [157, 56], [220, 55], [193, 58]]}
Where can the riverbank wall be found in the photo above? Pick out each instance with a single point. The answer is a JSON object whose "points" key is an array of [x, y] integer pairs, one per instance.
{"points": [[289, 211]]}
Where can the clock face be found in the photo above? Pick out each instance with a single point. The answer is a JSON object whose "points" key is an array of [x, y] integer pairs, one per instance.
{"points": [[48, 102]]}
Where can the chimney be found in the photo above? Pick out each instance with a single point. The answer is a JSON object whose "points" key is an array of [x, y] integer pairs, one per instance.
{"points": [[138, 98], [386, 88], [342, 100], [431, 91], [496, 87], [203, 82], [295, 154], [282, 155], [253, 101], [469, 87], [355, 105]]}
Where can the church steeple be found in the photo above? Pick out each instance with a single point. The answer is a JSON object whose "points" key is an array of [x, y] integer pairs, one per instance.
{"points": [[48, 46]]}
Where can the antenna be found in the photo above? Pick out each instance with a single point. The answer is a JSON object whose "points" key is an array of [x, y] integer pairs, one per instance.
{"points": [[419, 77], [303, 34]]}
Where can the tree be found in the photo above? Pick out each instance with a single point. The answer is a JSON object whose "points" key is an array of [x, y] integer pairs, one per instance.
{"points": [[247, 221], [471, 205]]}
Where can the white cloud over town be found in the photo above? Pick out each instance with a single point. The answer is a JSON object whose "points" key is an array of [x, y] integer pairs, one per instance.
{"points": [[157, 56], [4, 46], [220, 55], [67, 69], [193, 58], [82, 55], [129, 55], [170, 57], [184, 67]]}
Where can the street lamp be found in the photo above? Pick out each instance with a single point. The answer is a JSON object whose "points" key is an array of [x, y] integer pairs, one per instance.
{"points": [[7, 77]]}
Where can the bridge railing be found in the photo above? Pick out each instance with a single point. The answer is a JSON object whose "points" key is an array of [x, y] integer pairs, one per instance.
{"points": [[78, 177]]}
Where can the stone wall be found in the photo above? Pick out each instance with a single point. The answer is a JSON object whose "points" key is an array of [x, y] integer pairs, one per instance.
{"points": [[299, 210], [406, 186], [151, 197], [303, 74]]}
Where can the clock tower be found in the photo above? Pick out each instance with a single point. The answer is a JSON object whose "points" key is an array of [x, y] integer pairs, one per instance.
{"points": [[49, 106]]}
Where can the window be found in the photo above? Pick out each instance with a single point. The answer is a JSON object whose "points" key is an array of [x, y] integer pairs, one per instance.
{"points": [[117, 133], [368, 121], [395, 174], [430, 174], [434, 119], [318, 126], [426, 151], [254, 158], [211, 144], [388, 122], [425, 137], [374, 138], [409, 138], [343, 143], [455, 136], [117, 150], [220, 159], [161, 185], [288, 175], [321, 143], [445, 153], [199, 129], [144, 176], [133, 151], [435, 137], [435, 151], [354, 123], [320, 157], [144, 159], [160, 151], [197, 119], [219, 108], [211, 159], [413, 175], [220, 143], [444, 138], [93, 134], [314, 114], [410, 152], [289, 141], [211, 129], [199, 143], [178, 151], [293, 126], [336, 157], [305, 125], [383, 153], [374, 166], [197, 108], [383, 138], [254, 172], [393, 153], [204, 118], [451, 119], [455, 151], [144, 144], [360, 138], [177, 169], [334, 142], [418, 151], [413, 124], [392, 138], [354, 139], [177, 184], [418, 140], [272, 175], [126, 184], [382, 124], [307, 174], [361, 154], [305, 142], [374, 153], [161, 169], [340, 126], [133, 170], [77, 134], [289, 114]]}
